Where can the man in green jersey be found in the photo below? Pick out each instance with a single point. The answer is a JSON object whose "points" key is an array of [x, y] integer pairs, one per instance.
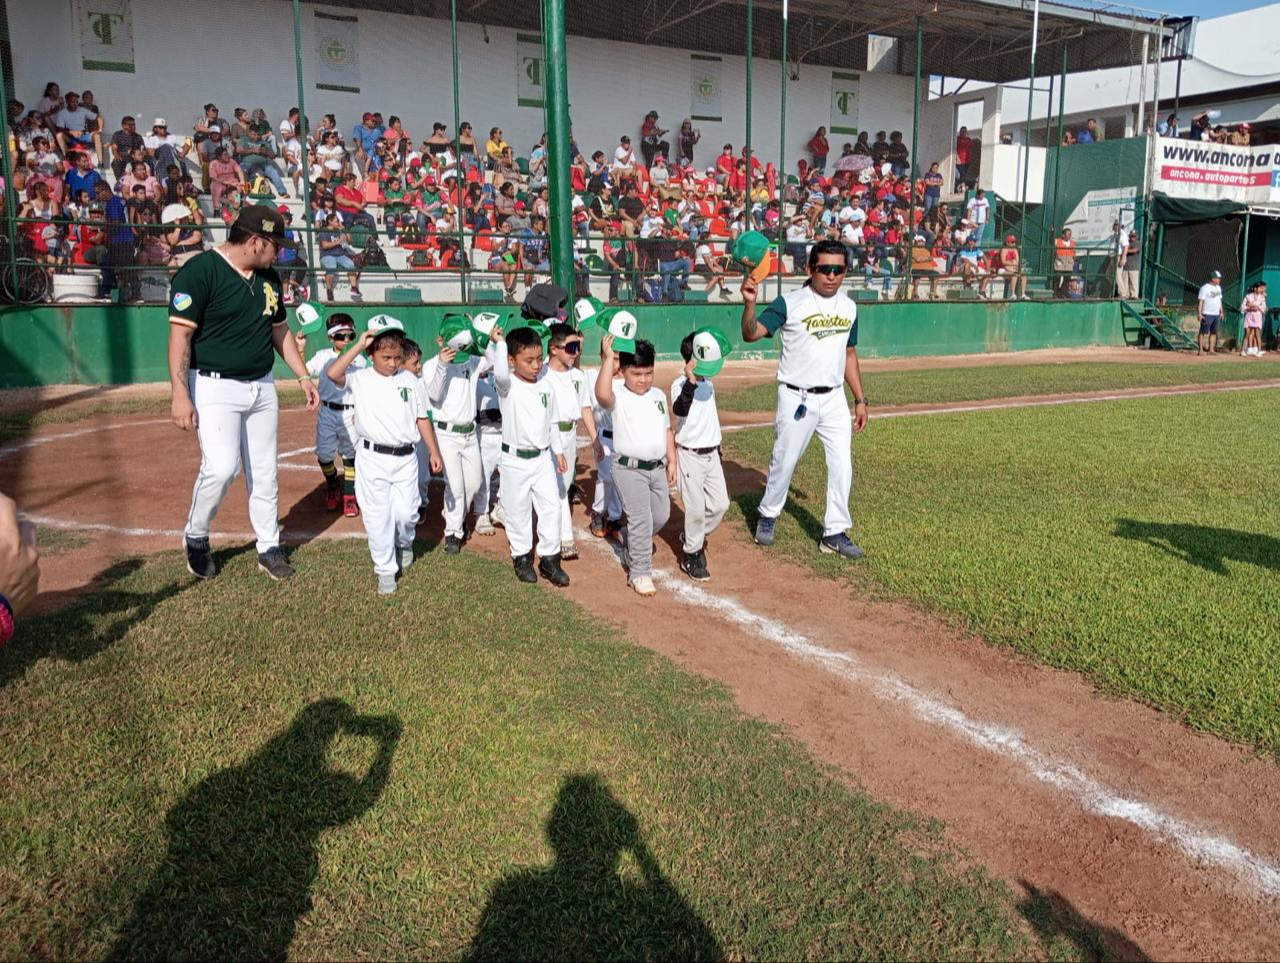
{"points": [[226, 324]]}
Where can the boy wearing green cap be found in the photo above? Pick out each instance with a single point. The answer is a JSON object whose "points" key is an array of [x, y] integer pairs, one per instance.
{"points": [[334, 417], [697, 436]]}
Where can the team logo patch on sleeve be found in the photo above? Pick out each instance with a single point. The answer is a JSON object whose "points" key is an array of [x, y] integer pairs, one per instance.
{"points": [[182, 301]]}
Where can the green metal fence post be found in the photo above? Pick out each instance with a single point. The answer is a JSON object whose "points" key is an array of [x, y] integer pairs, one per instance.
{"points": [[905, 268], [458, 179], [751, 16], [782, 153], [1047, 243], [560, 200], [1031, 95], [1244, 272], [10, 196], [302, 133]]}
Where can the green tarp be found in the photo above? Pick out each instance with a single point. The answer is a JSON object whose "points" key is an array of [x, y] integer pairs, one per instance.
{"points": [[1183, 210]]}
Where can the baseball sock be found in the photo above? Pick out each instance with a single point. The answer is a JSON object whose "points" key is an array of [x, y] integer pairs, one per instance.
{"points": [[348, 479], [330, 472]]}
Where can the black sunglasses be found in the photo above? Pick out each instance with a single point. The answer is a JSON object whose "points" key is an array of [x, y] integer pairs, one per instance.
{"points": [[831, 270], [344, 336], [571, 347]]}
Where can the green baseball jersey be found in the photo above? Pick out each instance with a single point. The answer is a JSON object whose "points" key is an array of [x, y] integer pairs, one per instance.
{"points": [[233, 315]]}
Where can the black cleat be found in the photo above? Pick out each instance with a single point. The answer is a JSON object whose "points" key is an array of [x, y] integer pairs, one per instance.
{"points": [[199, 558], [524, 567], [273, 562], [452, 545], [549, 568], [694, 565]]}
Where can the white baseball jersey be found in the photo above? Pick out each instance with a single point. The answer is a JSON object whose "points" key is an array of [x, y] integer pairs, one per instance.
{"points": [[815, 333], [487, 400], [451, 389], [700, 428], [571, 392], [640, 423], [527, 407], [318, 367], [387, 409], [603, 416]]}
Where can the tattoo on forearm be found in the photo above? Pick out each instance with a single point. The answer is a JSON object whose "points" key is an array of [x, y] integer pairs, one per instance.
{"points": [[184, 366]]}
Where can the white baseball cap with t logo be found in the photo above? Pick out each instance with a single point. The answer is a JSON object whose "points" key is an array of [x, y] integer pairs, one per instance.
{"points": [[622, 324], [384, 322], [710, 348]]}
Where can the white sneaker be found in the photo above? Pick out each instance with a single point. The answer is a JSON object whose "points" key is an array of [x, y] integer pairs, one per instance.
{"points": [[644, 586], [498, 516], [484, 526], [568, 550], [406, 557], [386, 585]]}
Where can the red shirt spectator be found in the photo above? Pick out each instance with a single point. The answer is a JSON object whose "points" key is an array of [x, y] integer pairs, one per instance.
{"points": [[964, 145], [724, 163], [349, 197]]}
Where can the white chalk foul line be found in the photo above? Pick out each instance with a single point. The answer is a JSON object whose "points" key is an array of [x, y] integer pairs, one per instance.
{"points": [[1038, 403], [1091, 794]]}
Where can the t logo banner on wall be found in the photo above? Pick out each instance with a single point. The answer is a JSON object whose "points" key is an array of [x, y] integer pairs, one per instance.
{"points": [[106, 34], [337, 52], [1217, 172], [529, 78], [844, 103], [705, 89]]}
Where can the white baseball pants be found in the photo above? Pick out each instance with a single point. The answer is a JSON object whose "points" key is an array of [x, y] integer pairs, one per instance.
{"points": [[461, 457], [604, 499], [334, 436], [703, 493], [563, 481], [387, 492], [236, 424], [529, 485], [490, 445], [828, 415]]}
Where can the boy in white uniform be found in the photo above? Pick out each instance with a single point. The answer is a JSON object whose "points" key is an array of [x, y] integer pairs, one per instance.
{"points": [[390, 418], [644, 459], [451, 378], [697, 434], [412, 363], [528, 474], [333, 419], [606, 509], [487, 504], [571, 399]]}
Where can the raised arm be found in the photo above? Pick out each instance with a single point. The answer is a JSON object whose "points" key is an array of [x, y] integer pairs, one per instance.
{"points": [[752, 330], [604, 380], [337, 370]]}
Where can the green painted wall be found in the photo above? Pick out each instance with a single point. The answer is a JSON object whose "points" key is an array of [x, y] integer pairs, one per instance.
{"points": [[106, 344]]}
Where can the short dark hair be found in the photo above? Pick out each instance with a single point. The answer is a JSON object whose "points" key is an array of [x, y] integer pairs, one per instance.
{"points": [[341, 317], [127, 118], [392, 336], [412, 349], [828, 246], [520, 338], [561, 332], [238, 235], [642, 357], [686, 347], [209, 107]]}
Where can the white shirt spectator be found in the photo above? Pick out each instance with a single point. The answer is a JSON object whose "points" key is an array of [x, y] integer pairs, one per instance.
{"points": [[977, 209], [155, 142], [651, 226], [624, 158], [1211, 295], [78, 119], [330, 157], [851, 234]]}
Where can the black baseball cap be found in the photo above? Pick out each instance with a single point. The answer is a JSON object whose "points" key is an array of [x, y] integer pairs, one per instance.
{"points": [[545, 302], [265, 222]]}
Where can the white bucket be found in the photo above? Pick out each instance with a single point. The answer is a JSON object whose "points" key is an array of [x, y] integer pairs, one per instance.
{"points": [[75, 287]]}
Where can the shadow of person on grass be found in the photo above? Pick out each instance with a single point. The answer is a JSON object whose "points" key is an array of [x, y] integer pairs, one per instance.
{"points": [[1201, 545], [1054, 918], [581, 907], [242, 843]]}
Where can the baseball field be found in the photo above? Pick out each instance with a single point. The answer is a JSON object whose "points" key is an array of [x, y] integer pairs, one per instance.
{"points": [[1038, 721]]}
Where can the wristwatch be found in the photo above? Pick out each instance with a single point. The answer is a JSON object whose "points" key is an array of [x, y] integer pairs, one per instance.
{"points": [[859, 401]]}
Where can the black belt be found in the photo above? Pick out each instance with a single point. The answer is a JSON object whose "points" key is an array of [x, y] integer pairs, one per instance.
{"points": [[700, 451], [522, 452], [812, 391], [466, 429], [389, 449], [642, 465], [607, 433], [218, 374], [336, 407]]}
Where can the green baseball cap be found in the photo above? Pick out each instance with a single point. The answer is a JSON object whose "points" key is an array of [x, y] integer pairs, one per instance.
{"points": [[586, 311], [750, 248], [383, 322], [710, 348], [483, 324], [456, 332], [310, 315], [622, 324]]}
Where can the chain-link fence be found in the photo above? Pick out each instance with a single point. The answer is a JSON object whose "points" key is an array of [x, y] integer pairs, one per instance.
{"points": [[407, 142]]}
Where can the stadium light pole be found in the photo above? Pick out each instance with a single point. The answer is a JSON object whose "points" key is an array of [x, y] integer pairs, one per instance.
{"points": [[556, 110], [457, 155], [302, 133]]}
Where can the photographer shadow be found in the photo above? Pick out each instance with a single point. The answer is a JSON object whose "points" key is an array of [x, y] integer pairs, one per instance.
{"points": [[582, 907], [242, 852], [1202, 545]]}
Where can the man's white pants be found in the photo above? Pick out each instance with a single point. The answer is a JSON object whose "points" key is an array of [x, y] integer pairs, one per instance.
{"points": [[236, 424], [461, 457], [529, 485], [828, 415], [334, 436], [387, 492], [490, 445], [605, 499], [563, 481]]}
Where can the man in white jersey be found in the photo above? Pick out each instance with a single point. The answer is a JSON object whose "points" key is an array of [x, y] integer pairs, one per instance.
{"points": [[819, 329]]}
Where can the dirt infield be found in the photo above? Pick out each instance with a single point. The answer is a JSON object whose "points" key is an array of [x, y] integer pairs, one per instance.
{"points": [[1165, 839]]}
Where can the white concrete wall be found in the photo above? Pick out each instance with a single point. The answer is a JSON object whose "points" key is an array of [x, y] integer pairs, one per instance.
{"points": [[240, 53]]}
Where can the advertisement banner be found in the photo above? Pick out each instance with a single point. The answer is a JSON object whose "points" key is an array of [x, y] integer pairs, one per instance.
{"points": [[106, 34], [1217, 172], [844, 103], [337, 52], [705, 89], [529, 74], [1092, 218]]}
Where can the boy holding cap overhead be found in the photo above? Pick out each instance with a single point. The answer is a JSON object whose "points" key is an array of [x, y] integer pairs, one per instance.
{"points": [[644, 459], [571, 401], [451, 378], [697, 437], [334, 419], [390, 418]]}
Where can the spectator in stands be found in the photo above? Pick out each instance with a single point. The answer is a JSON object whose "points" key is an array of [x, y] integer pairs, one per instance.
{"points": [[897, 155], [1109, 282], [352, 204], [494, 147], [81, 176], [660, 178], [964, 152], [123, 142], [879, 149], [503, 257], [1169, 127], [1240, 137], [182, 239], [1091, 134], [686, 140], [506, 170], [673, 267], [977, 211], [73, 125], [334, 242], [96, 126], [211, 131], [504, 203], [164, 148], [624, 159], [1064, 260], [224, 174], [534, 249], [43, 167], [923, 266], [290, 264], [139, 176], [1209, 313], [1009, 266], [438, 142], [651, 142], [1130, 264], [330, 157], [468, 149], [363, 138], [51, 101], [932, 182], [818, 148], [256, 159], [39, 214]]}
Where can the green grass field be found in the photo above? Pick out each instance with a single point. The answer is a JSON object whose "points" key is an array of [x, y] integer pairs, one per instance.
{"points": [[1137, 542], [940, 385], [473, 769]]}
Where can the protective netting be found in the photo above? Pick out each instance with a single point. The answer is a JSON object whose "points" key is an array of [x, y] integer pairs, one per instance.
{"points": [[418, 170]]}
